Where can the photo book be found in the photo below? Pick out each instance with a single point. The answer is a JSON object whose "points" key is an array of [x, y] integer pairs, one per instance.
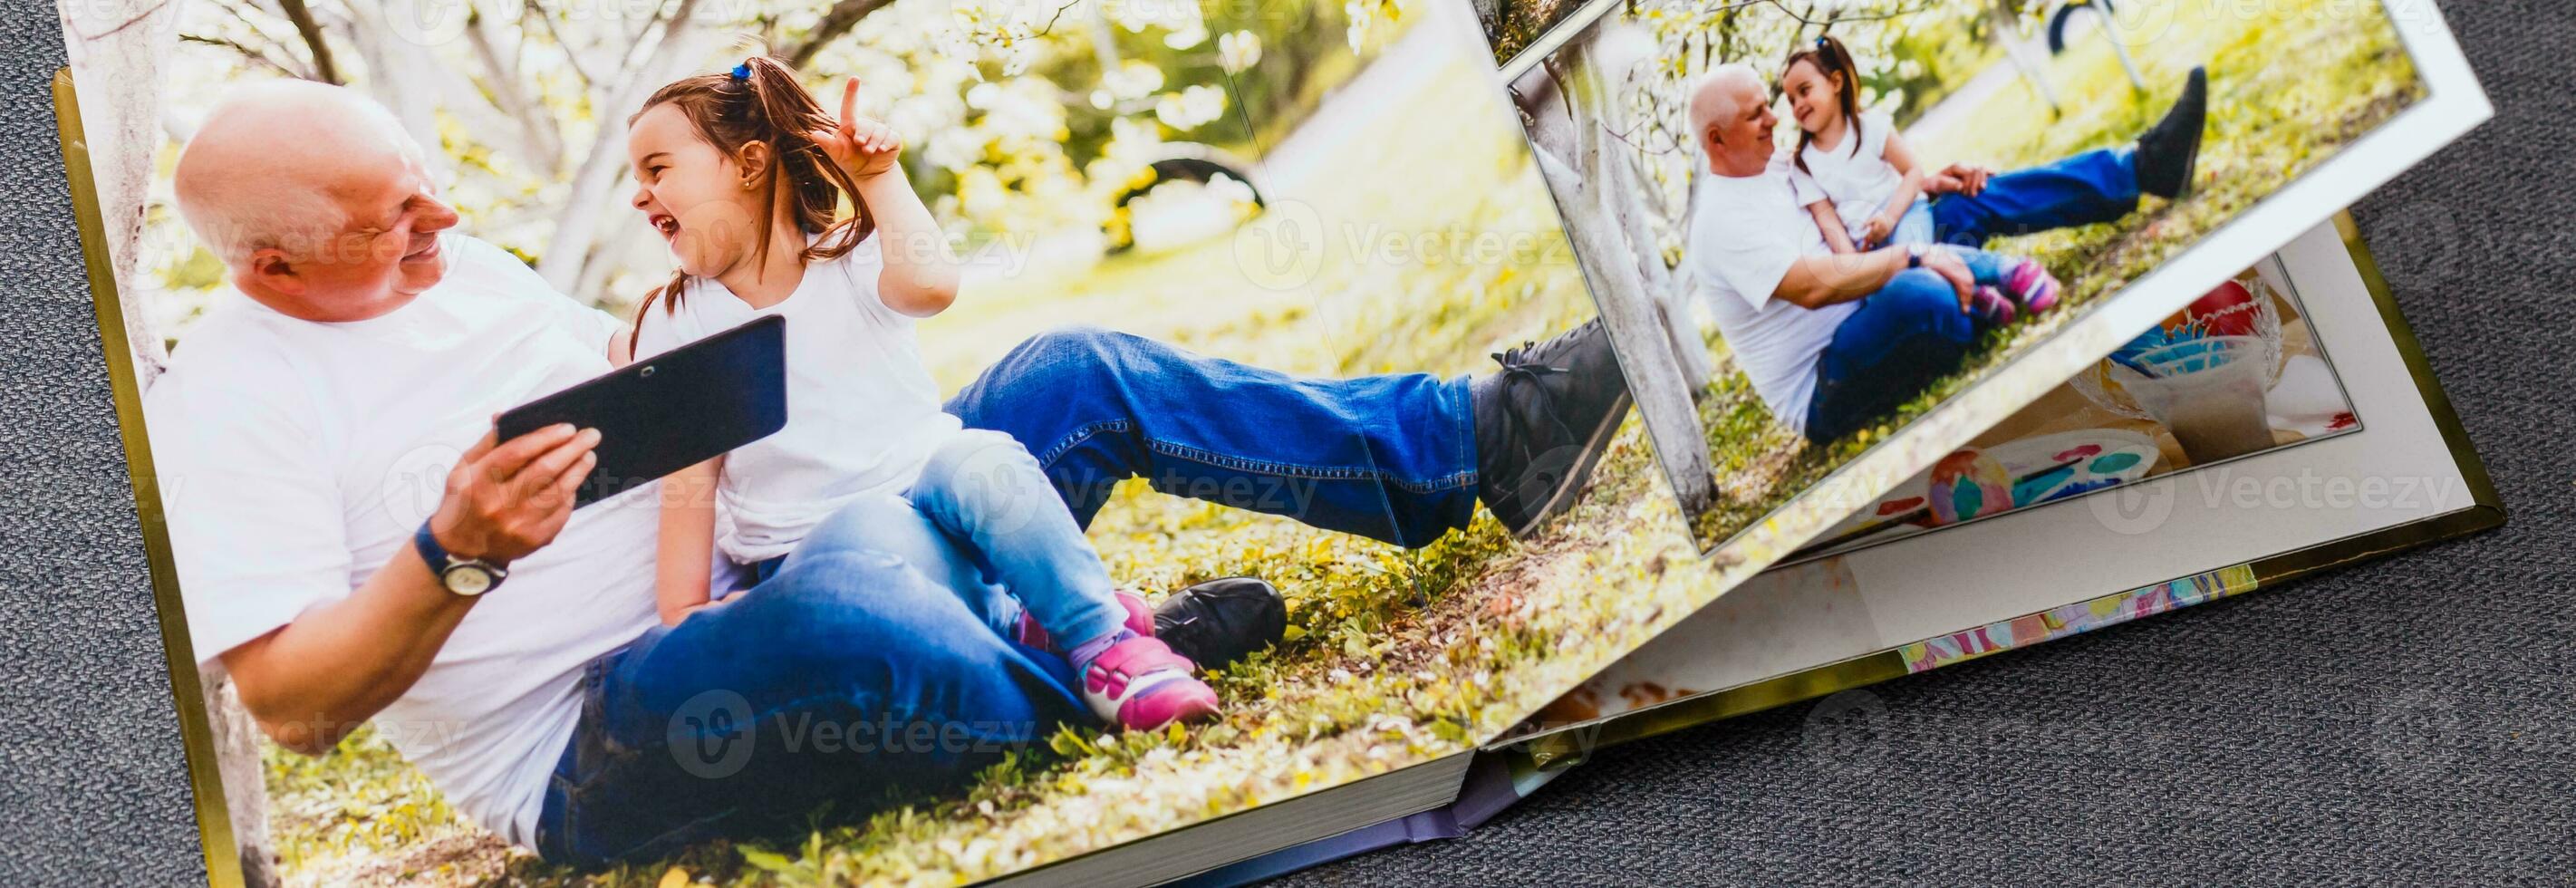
{"points": [[1106, 442]]}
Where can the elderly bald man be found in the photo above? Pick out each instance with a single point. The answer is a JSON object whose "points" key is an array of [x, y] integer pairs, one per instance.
{"points": [[1835, 341], [341, 516]]}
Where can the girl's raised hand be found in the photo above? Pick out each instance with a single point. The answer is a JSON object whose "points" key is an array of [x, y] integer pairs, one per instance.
{"points": [[863, 147]]}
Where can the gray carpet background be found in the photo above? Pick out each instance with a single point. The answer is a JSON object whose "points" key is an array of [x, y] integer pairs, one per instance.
{"points": [[2408, 719]]}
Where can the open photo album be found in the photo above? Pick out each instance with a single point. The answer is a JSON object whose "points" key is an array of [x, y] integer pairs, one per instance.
{"points": [[950, 441]]}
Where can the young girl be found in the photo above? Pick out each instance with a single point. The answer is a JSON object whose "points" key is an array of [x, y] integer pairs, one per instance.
{"points": [[1867, 190], [743, 174]]}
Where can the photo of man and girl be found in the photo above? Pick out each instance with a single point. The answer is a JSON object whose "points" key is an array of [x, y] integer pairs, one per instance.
{"points": [[1826, 223], [1190, 406], [1094, 515]]}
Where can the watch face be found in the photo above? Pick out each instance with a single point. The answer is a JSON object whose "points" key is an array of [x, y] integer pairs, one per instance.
{"points": [[467, 580]]}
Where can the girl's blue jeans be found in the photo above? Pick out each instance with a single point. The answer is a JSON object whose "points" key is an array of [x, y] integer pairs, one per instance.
{"points": [[1912, 331], [876, 659]]}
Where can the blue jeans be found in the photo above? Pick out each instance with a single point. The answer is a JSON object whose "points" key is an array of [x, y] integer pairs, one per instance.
{"points": [[1917, 226], [983, 523], [1391, 458], [2095, 186], [1912, 330], [1901, 337], [876, 658], [845, 677]]}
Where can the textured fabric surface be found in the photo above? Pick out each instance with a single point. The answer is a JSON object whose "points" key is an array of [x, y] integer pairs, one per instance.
{"points": [[2404, 720], [93, 784], [2407, 718]]}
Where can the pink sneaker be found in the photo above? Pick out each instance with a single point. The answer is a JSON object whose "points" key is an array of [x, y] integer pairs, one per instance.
{"points": [[1140, 620], [1990, 309], [1140, 685], [2033, 287]]}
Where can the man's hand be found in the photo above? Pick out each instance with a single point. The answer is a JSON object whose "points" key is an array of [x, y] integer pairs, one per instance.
{"points": [[1966, 179], [507, 499], [1954, 269], [863, 147]]}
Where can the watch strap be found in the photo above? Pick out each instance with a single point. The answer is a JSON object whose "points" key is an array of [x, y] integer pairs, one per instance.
{"points": [[440, 561]]}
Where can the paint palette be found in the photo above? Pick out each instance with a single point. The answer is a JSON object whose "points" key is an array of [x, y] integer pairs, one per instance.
{"points": [[2032, 470]]}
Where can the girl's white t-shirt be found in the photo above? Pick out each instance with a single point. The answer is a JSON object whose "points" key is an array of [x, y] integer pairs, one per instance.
{"points": [[863, 414], [1859, 183]]}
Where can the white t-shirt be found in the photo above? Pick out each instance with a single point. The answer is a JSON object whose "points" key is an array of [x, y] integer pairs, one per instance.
{"points": [[1744, 235], [297, 457], [1859, 183], [863, 414]]}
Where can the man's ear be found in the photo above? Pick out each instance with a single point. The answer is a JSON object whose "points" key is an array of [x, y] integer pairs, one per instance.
{"points": [[270, 269]]}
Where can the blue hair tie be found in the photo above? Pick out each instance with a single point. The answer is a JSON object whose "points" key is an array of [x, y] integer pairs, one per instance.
{"points": [[1820, 43], [742, 71]]}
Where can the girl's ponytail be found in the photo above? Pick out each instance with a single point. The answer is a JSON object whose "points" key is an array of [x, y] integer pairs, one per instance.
{"points": [[1830, 58], [761, 101]]}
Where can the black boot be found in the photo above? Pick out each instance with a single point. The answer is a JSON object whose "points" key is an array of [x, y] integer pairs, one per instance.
{"points": [[2169, 152], [1220, 621], [1543, 422]]}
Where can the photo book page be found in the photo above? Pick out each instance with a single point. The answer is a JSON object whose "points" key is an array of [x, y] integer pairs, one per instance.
{"points": [[1199, 415], [1834, 243], [2088, 509]]}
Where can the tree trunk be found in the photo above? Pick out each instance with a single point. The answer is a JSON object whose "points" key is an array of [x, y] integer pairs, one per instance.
{"points": [[593, 195], [1604, 215], [1639, 329], [117, 50]]}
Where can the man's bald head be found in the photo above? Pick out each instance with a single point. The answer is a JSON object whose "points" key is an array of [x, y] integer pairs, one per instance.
{"points": [[270, 164], [315, 198], [1731, 119]]}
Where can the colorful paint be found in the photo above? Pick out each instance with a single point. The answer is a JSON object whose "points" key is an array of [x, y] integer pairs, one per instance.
{"points": [[2037, 487], [2077, 618], [2113, 464], [1969, 484]]}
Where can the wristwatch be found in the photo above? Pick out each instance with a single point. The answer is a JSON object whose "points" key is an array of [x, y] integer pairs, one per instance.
{"points": [[1914, 255], [463, 576]]}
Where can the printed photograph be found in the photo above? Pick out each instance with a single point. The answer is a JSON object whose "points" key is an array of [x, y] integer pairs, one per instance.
{"points": [[2236, 374], [913, 441], [1808, 226], [2251, 377]]}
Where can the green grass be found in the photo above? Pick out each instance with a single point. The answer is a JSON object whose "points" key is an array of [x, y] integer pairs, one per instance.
{"points": [[2288, 87], [1395, 656]]}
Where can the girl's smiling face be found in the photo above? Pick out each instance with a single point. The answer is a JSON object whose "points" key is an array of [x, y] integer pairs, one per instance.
{"points": [[701, 200], [1813, 95]]}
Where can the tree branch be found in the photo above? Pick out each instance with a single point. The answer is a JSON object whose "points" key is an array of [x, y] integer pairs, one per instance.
{"points": [[248, 52], [572, 56], [836, 21], [323, 68]]}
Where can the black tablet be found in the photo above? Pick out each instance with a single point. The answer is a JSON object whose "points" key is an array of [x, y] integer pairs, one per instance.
{"points": [[674, 410]]}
